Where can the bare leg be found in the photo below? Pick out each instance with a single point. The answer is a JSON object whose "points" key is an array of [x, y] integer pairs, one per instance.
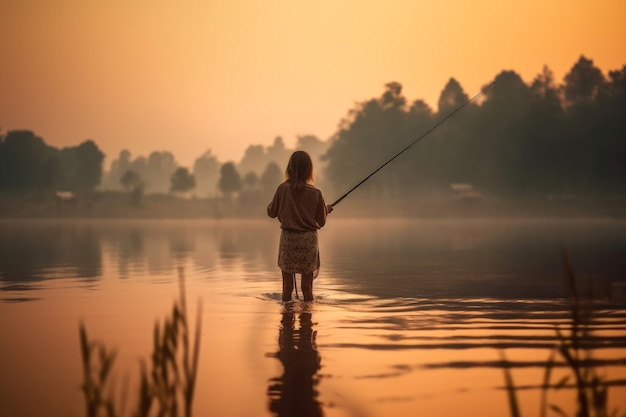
{"points": [[287, 285], [307, 286]]}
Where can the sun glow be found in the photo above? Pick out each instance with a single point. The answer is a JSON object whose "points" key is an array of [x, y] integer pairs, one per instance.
{"points": [[223, 75]]}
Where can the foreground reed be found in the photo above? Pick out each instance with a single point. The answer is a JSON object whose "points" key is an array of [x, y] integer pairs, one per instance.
{"points": [[574, 348], [167, 382]]}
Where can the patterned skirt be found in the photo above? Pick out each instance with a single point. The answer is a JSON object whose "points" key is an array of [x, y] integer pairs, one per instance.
{"points": [[298, 252]]}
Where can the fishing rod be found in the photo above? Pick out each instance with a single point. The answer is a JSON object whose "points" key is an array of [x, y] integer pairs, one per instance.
{"points": [[414, 142]]}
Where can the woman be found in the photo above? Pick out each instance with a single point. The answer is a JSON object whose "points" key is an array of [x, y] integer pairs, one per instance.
{"points": [[301, 210]]}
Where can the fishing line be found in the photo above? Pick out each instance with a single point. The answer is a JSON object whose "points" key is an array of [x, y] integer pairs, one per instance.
{"points": [[414, 142]]}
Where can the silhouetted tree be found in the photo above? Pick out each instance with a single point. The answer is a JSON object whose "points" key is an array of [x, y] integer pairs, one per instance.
{"points": [[584, 88], [27, 164], [254, 159], [312, 145], [523, 140], [583, 83], [451, 97], [118, 167], [445, 157], [505, 155], [230, 181], [206, 170], [547, 149], [371, 133], [316, 148], [81, 167], [155, 171], [277, 152], [270, 179], [182, 181], [251, 179], [617, 84], [159, 169], [250, 198], [130, 180], [613, 127]]}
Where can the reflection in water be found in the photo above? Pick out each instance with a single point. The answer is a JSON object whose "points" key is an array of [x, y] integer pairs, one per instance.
{"points": [[294, 393], [31, 252], [35, 251], [387, 259], [498, 259], [413, 312]]}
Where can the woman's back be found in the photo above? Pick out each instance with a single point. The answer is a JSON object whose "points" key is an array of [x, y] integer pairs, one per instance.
{"points": [[299, 210]]}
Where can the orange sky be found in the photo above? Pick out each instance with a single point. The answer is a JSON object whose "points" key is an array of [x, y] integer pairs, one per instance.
{"points": [[187, 76]]}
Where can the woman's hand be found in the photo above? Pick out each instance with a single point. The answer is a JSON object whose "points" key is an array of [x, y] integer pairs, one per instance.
{"points": [[329, 208]]}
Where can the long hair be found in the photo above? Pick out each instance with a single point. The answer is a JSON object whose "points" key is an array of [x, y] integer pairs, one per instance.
{"points": [[299, 170]]}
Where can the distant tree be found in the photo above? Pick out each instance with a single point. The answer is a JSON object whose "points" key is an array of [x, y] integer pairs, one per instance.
{"points": [[420, 109], [546, 88], [206, 170], [230, 181], [522, 140], [584, 82], [613, 110], [371, 133], [311, 144], [251, 179], [159, 169], [118, 167], [81, 167], [510, 91], [316, 148], [271, 177], [503, 145], [277, 152], [139, 165], [251, 196], [392, 97], [130, 180], [28, 164], [451, 97], [182, 180], [617, 83], [124, 160], [595, 121], [254, 159], [545, 140], [155, 170], [419, 167], [585, 89], [443, 158]]}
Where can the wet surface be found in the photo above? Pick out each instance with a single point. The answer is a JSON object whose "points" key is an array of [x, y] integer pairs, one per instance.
{"points": [[409, 316]]}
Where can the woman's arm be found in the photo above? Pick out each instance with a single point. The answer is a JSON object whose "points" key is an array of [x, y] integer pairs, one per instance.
{"points": [[274, 206], [321, 211]]}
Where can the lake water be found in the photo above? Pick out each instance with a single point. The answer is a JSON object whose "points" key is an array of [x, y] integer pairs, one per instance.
{"points": [[409, 317]]}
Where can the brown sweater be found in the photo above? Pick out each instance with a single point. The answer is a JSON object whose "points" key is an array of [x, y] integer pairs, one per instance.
{"points": [[298, 210]]}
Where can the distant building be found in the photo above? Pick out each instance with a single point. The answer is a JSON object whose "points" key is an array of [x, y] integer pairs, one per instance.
{"points": [[464, 191]]}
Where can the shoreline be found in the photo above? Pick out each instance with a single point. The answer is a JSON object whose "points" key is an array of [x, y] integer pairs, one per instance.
{"points": [[163, 206]]}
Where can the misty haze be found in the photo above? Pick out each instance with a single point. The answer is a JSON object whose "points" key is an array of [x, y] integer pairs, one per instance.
{"points": [[543, 148], [455, 281]]}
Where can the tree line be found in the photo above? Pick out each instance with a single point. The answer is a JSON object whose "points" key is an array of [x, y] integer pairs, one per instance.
{"points": [[521, 140], [29, 165], [252, 180]]}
